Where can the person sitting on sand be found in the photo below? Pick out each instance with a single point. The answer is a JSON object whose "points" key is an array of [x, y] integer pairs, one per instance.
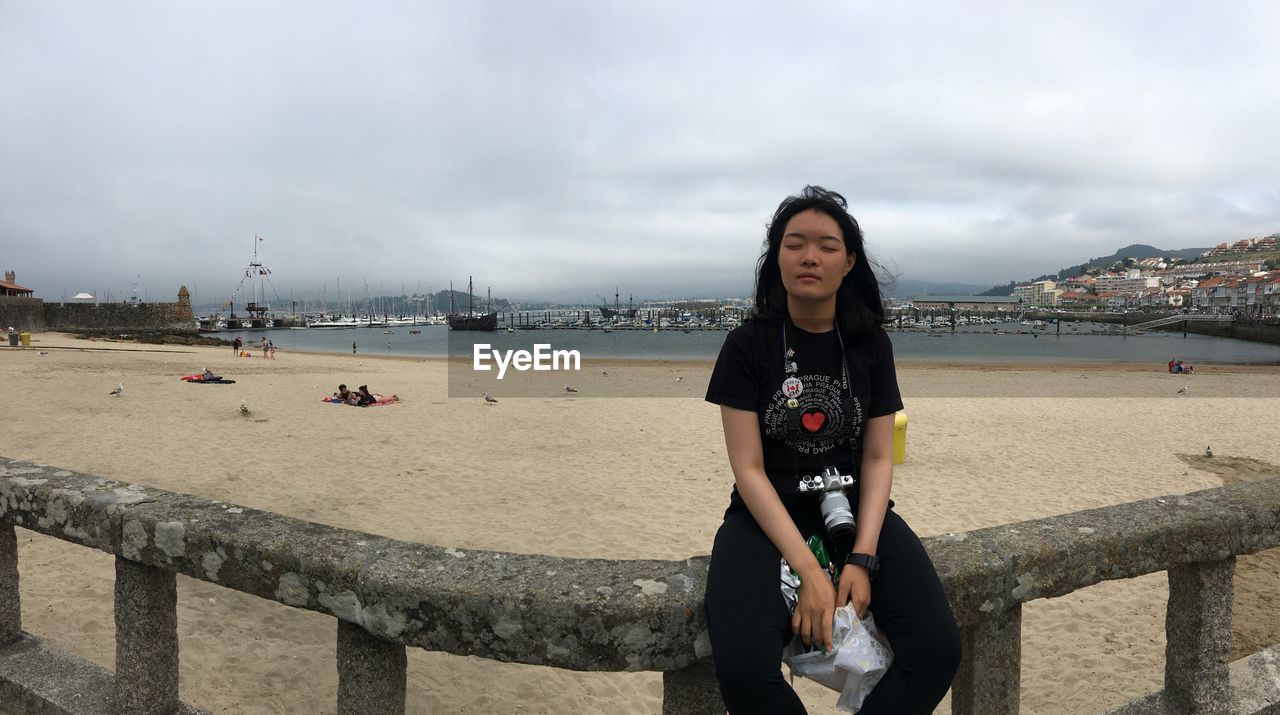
{"points": [[208, 375], [346, 395]]}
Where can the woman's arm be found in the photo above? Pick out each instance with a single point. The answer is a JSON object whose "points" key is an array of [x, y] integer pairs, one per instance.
{"points": [[812, 619], [873, 499]]}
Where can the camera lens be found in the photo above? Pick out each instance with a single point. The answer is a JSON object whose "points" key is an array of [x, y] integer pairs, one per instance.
{"points": [[837, 516]]}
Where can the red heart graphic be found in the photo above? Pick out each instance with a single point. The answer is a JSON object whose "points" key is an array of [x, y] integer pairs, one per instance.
{"points": [[813, 421]]}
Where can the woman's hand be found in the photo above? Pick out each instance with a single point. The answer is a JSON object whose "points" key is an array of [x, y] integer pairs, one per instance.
{"points": [[855, 588], [813, 616]]}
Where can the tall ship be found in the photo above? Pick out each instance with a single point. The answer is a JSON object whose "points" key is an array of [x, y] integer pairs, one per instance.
{"points": [[470, 321], [610, 313], [258, 309]]}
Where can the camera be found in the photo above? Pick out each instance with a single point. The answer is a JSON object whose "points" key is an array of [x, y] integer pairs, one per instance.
{"points": [[837, 516]]}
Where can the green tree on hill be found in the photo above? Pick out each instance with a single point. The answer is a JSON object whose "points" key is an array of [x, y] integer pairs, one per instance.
{"points": [[1000, 290]]}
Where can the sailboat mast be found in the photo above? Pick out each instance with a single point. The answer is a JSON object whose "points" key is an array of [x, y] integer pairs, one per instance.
{"points": [[262, 288]]}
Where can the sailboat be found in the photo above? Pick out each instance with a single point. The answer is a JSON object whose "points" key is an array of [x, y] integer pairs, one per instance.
{"points": [[470, 321]]}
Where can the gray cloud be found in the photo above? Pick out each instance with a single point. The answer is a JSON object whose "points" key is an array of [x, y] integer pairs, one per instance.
{"points": [[559, 150]]}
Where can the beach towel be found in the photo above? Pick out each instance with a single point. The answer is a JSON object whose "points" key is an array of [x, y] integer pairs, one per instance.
{"points": [[200, 379]]}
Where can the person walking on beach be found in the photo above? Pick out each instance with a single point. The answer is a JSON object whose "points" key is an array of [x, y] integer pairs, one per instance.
{"points": [[266, 347], [235, 345], [353, 347], [808, 383], [271, 348]]}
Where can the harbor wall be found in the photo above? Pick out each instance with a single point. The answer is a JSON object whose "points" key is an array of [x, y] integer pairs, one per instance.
{"points": [[1257, 331], [118, 316], [1240, 330], [24, 314], [35, 315]]}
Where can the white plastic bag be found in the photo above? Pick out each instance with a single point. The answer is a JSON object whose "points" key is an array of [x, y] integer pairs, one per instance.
{"points": [[858, 659]]}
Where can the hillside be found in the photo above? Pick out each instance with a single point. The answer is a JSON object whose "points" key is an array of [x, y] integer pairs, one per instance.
{"points": [[1135, 250]]}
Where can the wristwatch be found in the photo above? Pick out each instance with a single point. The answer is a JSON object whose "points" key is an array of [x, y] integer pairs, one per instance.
{"points": [[869, 562]]}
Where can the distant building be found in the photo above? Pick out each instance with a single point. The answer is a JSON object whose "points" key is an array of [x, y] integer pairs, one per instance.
{"points": [[1076, 297], [9, 286], [1132, 281], [1038, 293]]}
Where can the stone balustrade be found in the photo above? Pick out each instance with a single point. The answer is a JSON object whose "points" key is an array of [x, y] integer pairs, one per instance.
{"points": [[595, 614]]}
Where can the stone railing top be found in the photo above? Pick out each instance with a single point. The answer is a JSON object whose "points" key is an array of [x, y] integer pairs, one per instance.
{"points": [[588, 614]]}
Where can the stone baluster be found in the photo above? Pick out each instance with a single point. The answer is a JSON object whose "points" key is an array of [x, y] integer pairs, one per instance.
{"points": [[10, 601], [692, 690], [990, 677], [146, 639], [1198, 636], [371, 673]]}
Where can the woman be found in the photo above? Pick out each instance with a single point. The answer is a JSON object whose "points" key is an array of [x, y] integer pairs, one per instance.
{"points": [[809, 383]]}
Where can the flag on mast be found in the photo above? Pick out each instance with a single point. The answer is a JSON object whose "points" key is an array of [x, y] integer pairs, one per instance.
{"points": [[258, 237]]}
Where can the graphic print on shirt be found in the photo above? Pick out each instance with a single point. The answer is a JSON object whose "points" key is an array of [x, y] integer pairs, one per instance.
{"points": [[819, 423]]}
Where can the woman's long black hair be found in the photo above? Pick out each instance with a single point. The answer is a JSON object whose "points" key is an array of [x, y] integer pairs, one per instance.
{"points": [[859, 305]]}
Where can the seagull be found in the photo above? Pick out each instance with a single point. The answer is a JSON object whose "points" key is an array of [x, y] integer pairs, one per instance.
{"points": [[1184, 389], [1208, 452], [602, 372], [43, 352], [119, 389], [489, 400], [244, 407], [678, 379], [569, 389]]}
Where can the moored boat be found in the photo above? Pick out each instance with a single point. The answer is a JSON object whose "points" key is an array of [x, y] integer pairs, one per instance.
{"points": [[457, 321]]}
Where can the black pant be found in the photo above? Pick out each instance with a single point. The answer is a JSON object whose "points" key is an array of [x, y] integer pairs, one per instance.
{"points": [[749, 622]]}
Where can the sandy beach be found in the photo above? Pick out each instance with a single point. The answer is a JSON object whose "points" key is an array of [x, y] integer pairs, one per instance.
{"points": [[579, 476]]}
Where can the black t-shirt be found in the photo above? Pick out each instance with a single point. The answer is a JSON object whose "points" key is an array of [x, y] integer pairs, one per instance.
{"points": [[824, 427]]}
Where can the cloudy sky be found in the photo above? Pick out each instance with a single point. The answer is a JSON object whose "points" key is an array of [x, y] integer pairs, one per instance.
{"points": [[560, 149]]}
